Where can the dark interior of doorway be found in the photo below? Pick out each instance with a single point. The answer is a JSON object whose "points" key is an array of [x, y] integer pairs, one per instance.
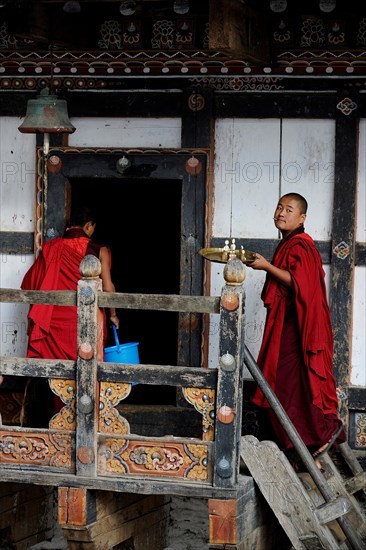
{"points": [[140, 220]]}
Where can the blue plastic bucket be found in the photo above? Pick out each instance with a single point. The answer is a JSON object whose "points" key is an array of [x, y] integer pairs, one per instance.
{"points": [[122, 353]]}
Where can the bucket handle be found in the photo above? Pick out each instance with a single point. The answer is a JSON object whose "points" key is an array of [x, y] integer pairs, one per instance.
{"points": [[116, 339]]}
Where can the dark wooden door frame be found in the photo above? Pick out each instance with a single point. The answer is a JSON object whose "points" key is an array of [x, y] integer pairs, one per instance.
{"points": [[66, 163]]}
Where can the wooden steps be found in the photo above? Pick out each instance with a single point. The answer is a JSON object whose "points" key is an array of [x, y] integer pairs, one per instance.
{"points": [[309, 521]]}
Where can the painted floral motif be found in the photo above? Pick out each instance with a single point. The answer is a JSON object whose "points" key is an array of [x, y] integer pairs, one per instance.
{"points": [[313, 33], [184, 32], [110, 421], [203, 401], [282, 33], [360, 421], [65, 419], [111, 36], [336, 34], [36, 449], [7, 41], [205, 43], [159, 459], [361, 35], [163, 35], [131, 34], [175, 460]]}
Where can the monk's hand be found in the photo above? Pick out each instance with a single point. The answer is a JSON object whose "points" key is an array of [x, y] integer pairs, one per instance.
{"points": [[114, 319], [259, 263], [1, 379]]}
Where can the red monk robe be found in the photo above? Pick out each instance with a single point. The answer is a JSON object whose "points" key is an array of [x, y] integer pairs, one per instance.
{"points": [[297, 347], [53, 329]]}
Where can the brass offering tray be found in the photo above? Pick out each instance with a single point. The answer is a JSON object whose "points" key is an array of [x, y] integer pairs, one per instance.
{"points": [[226, 253]]}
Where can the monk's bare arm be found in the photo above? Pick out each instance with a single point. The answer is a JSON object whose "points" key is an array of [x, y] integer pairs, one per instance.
{"points": [[107, 283], [281, 275]]}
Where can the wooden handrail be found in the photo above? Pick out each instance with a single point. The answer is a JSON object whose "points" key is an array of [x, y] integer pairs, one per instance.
{"points": [[158, 302]]}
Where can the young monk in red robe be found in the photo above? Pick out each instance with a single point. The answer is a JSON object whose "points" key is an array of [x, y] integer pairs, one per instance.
{"points": [[297, 348], [52, 330]]}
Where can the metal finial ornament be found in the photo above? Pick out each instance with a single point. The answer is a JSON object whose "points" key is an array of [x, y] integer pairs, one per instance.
{"points": [[122, 164]]}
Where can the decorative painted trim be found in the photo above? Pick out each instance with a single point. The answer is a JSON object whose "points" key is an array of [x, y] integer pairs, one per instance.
{"points": [[110, 421], [28, 448], [342, 250], [84, 70], [347, 106], [65, 419], [133, 151], [239, 84], [186, 461], [357, 429], [203, 400]]}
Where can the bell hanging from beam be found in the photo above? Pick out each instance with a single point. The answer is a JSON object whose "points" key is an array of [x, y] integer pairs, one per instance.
{"points": [[46, 114]]}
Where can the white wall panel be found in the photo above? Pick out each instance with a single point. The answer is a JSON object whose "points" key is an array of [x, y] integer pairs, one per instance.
{"points": [[17, 164], [13, 317], [248, 182], [246, 177], [126, 132], [307, 167], [361, 184], [358, 373]]}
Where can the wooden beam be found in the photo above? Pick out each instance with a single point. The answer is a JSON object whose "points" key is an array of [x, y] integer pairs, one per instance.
{"points": [[125, 104], [158, 375], [357, 399], [343, 245], [276, 105], [196, 115], [16, 242], [38, 368], [157, 302], [120, 484]]}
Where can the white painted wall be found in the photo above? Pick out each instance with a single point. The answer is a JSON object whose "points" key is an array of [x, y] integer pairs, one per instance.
{"points": [[361, 184], [13, 316], [258, 160], [358, 373], [17, 189], [17, 160], [126, 132]]}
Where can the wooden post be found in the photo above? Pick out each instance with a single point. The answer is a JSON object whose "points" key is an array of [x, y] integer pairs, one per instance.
{"points": [[86, 376], [223, 514], [230, 376], [343, 250]]}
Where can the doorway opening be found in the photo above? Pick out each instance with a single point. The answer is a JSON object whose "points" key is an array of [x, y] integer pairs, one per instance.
{"points": [[140, 220]]}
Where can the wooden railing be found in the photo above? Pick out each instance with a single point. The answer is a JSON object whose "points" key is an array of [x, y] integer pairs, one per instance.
{"points": [[88, 443]]}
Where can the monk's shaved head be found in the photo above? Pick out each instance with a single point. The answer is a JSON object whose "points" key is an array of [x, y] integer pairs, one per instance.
{"points": [[301, 201]]}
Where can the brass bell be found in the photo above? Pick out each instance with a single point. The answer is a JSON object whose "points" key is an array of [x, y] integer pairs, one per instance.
{"points": [[46, 114]]}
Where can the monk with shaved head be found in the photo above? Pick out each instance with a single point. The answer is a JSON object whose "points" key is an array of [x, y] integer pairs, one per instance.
{"points": [[297, 348]]}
